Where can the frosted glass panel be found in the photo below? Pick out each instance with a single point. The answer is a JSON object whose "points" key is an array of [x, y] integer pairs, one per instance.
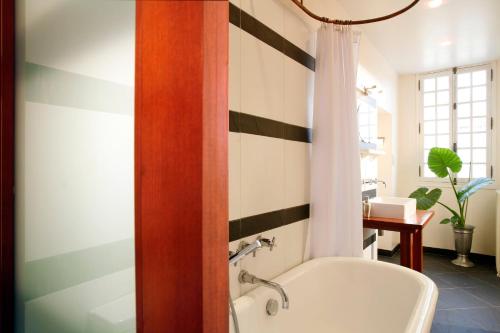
{"points": [[74, 167]]}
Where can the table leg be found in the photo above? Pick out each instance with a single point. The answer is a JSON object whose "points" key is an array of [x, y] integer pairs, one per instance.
{"points": [[418, 255], [406, 244]]}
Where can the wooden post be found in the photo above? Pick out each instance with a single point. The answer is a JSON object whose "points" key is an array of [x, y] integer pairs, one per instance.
{"points": [[181, 130]]}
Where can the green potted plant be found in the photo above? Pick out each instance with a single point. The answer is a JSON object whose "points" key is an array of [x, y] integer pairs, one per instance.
{"points": [[443, 162]]}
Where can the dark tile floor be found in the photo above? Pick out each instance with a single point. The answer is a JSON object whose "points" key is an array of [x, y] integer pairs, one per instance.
{"points": [[469, 298]]}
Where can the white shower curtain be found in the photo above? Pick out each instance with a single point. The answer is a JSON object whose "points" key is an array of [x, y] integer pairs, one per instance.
{"points": [[336, 218]]}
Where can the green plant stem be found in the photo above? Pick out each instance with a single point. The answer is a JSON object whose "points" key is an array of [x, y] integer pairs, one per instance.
{"points": [[451, 210], [460, 206]]}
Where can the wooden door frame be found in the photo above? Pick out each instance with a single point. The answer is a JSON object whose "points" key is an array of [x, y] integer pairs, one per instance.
{"points": [[7, 58], [180, 171]]}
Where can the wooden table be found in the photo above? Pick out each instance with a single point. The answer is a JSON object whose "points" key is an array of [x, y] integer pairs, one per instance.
{"points": [[410, 232]]}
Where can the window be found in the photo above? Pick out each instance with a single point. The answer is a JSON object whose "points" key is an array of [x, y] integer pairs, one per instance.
{"points": [[455, 113]]}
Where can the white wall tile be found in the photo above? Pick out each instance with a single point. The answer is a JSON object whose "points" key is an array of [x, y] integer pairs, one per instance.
{"points": [[297, 31], [262, 174], [262, 78], [295, 236], [299, 92], [234, 68], [234, 176], [296, 173], [269, 12]]}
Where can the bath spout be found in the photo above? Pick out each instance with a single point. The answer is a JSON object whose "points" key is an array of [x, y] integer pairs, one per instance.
{"points": [[246, 277]]}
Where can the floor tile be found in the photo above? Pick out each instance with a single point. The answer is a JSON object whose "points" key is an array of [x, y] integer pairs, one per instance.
{"points": [[457, 298], [479, 320], [487, 293], [486, 276], [440, 283], [459, 279]]}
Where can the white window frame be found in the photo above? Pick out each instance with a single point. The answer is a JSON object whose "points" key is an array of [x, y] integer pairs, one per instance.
{"points": [[491, 123]]}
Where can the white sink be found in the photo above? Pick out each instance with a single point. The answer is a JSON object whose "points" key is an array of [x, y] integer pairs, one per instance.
{"points": [[393, 207]]}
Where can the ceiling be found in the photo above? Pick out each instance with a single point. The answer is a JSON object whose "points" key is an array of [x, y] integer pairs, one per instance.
{"points": [[457, 33]]}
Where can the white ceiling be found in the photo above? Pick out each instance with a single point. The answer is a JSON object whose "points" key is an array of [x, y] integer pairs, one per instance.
{"points": [[412, 42]]}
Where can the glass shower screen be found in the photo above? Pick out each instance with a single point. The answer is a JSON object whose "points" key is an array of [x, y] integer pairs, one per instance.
{"points": [[74, 166]]}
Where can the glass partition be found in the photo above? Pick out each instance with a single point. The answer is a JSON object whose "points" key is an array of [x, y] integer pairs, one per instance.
{"points": [[74, 166]]}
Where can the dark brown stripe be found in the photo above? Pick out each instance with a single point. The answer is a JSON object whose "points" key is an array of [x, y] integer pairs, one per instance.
{"points": [[259, 30], [234, 15], [250, 124], [255, 224], [369, 241]]}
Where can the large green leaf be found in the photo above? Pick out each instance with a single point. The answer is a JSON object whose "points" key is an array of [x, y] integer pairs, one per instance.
{"points": [[425, 198], [442, 159], [472, 187]]}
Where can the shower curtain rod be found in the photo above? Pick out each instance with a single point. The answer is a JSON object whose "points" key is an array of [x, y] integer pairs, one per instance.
{"points": [[300, 4]]}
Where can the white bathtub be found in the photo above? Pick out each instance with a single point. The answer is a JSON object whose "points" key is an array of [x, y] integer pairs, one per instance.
{"points": [[346, 295]]}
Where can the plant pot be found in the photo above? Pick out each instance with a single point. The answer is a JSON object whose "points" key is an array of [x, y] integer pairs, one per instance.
{"points": [[463, 243]]}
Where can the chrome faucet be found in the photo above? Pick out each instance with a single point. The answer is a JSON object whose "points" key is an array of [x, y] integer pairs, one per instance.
{"points": [[373, 182], [246, 277], [234, 257]]}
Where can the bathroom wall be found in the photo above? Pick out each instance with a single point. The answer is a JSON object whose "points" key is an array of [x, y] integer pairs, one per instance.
{"points": [[482, 208], [74, 164], [270, 101]]}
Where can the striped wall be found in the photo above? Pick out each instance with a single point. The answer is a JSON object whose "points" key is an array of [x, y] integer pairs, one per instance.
{"points": [[271, 73], [74, 161]]}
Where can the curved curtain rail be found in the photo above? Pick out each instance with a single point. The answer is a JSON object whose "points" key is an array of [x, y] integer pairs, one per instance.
{"points": [[300, 4]]}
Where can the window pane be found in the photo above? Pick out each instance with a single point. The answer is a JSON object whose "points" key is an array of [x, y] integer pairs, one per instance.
{"points": [[443, 112], [479, 124], [479, 140], [464, 155], [463, 140], [463, 80], [443, 127], [443, 141], [463, 110], [430, 84], [464, 173], [463, 125], [443, 97], [428, 172], [429, 127], [478, 93], [364, 132], [463, 95], [426, 154], [429, 141], [429, 99], [429, 113], [479, 156], [479, 109], [443, 82], [478, 170], [479, 77]]}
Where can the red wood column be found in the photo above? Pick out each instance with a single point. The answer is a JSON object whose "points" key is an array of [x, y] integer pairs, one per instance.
{"points": [[181, 117], [7, 166], [418, 251], [406, 244]]}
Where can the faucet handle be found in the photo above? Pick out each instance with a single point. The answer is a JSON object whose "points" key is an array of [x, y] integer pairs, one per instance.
{"points": [[270, 243]]}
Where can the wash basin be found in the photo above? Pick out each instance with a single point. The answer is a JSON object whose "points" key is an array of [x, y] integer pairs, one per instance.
{"points": [[393, 207], [343, 295]]}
